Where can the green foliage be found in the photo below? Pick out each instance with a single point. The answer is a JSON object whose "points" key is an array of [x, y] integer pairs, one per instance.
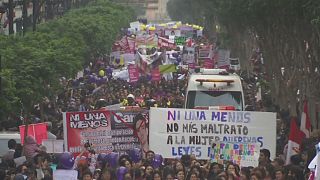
{"points": [[241, 15], [8, 100], [33, 64], [190, 11], [248, 13]]}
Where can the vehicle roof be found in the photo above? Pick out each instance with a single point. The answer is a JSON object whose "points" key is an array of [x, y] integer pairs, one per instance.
{"points": [[9, 135], [220, 86]]}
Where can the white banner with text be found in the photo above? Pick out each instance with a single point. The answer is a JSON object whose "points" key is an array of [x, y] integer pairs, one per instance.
{"points": [[175, 132]]}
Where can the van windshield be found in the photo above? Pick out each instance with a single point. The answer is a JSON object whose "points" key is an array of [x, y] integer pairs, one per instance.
{"points": [[214, 98]]}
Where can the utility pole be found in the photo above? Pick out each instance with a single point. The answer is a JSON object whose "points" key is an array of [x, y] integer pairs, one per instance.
{"points": [[24, 16], [10, 17], [49, 10], [34, 14], [2, 11]]}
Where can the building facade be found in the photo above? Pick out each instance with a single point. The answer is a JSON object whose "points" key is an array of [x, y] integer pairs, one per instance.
{"points": [[157, 11]]}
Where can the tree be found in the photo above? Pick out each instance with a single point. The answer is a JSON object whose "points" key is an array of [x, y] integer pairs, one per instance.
{"points": [[287, 32], [33, 64]]}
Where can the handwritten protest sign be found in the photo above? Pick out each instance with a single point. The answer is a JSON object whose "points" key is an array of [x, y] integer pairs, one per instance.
{"points": [[205, 52], [133, 73], [65, 174], [223, 58], [167, 68], [180, 40], [20, 160], [239, 153], [53, 146], [166, 43], [175, 132]]}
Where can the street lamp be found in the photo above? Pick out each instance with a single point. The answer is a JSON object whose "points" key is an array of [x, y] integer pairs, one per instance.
{"points": [[2, 11]]}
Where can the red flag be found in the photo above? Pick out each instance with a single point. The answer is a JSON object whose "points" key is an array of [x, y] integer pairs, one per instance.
{"points": [[155, 74], [38, 131], [295, 139], [312, 175], [305, 125]]}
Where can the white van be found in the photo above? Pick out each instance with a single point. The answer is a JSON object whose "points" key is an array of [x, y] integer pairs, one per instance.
{"points": [[4, 138], [214, 89]]}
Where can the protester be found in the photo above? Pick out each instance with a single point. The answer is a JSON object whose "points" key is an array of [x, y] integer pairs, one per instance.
{"points": [[215, 169], [180, 175], [31, 147], [168, 174], [232, 170], [245, 173], [149, 156], [280, 174], [264, 157], [9, 156], [107, 174], [18, 151], [87, 175], [156, 175], [127, 169]]}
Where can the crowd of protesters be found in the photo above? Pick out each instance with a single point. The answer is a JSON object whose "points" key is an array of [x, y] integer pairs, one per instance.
{"points": [[95, 88], [149, 166], [86, 94]]}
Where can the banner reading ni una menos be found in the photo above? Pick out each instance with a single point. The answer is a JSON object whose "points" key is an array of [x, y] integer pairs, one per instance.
{"points": [[107, 130], [174, 132]]}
